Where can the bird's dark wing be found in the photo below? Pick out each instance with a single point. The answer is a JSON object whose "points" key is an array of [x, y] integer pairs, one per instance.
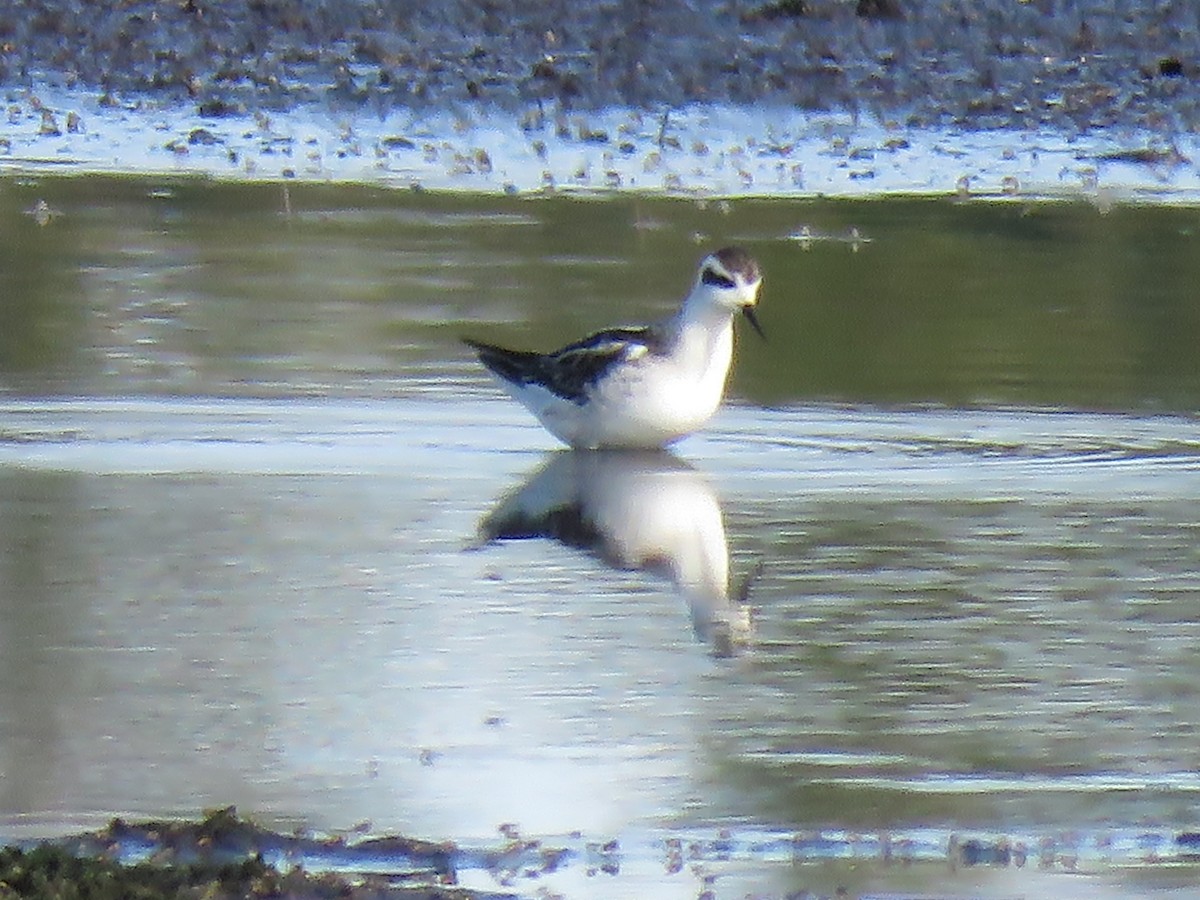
{"points": [[517, 366], [569, 372], [576, 367]]}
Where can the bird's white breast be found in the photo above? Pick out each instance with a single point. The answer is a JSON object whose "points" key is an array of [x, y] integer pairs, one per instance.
{"points": [[655, 399]]}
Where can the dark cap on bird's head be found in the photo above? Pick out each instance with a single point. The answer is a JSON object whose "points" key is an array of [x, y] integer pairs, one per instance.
{"points": [[729, 268]]}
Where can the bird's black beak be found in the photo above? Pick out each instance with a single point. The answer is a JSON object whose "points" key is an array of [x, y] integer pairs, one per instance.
{"points": [[748, 312]]}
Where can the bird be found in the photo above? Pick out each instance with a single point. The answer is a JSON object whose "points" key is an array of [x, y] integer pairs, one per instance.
{"points": [[641, 387]]}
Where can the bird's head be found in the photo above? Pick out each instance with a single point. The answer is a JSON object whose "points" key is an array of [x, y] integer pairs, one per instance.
{"points": [[731, 278]]}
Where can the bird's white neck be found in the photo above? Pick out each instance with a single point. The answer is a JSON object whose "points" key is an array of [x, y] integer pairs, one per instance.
{"points": [[702, 313], [701, 335]]}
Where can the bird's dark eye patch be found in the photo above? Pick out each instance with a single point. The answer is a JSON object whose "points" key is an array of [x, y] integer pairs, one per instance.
{"points": [[714, 278]]}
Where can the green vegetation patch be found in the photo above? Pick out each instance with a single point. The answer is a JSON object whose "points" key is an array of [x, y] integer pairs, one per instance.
{"points": [[186, 864], [51, 872]]}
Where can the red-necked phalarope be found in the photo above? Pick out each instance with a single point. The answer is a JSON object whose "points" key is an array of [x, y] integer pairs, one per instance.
{"points": [[639, 387]]}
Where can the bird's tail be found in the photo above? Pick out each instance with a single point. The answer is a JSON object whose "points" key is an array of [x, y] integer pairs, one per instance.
{"points": [[517, 366]]}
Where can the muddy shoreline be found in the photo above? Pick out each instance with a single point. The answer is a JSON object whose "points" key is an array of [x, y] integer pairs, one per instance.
{"points": [[781, 98], [917, 63], [225, 855]]}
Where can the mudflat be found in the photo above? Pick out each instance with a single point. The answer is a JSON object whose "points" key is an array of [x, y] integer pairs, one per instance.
{"points": [[991, 64]]}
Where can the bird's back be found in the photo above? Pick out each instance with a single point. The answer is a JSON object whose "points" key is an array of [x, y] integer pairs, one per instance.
{"points": [[571, 372]]}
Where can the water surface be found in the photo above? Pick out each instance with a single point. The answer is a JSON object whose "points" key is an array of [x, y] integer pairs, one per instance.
{"points": [[270, 537]]}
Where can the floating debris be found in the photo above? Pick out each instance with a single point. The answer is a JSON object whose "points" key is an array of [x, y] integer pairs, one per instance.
{"points": [[203, 137], [590, 135], [803, 236], [1149, 156], [397, 142], [806, 236], [49, 126], [43, 213]]}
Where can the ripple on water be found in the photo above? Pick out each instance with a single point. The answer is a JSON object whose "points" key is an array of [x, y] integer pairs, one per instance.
{"points": [[945, 634]]}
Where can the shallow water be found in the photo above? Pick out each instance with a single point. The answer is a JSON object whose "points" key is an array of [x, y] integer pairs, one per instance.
{"points": [[260, 518], [702, 150]]}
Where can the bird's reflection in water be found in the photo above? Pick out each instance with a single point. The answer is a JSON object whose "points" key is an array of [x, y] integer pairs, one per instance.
{"points": [[644, 510]]}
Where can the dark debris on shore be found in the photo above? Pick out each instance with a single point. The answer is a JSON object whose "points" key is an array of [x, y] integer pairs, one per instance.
{"points": [[220, 856], [1075, 64], [48, 872]]}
